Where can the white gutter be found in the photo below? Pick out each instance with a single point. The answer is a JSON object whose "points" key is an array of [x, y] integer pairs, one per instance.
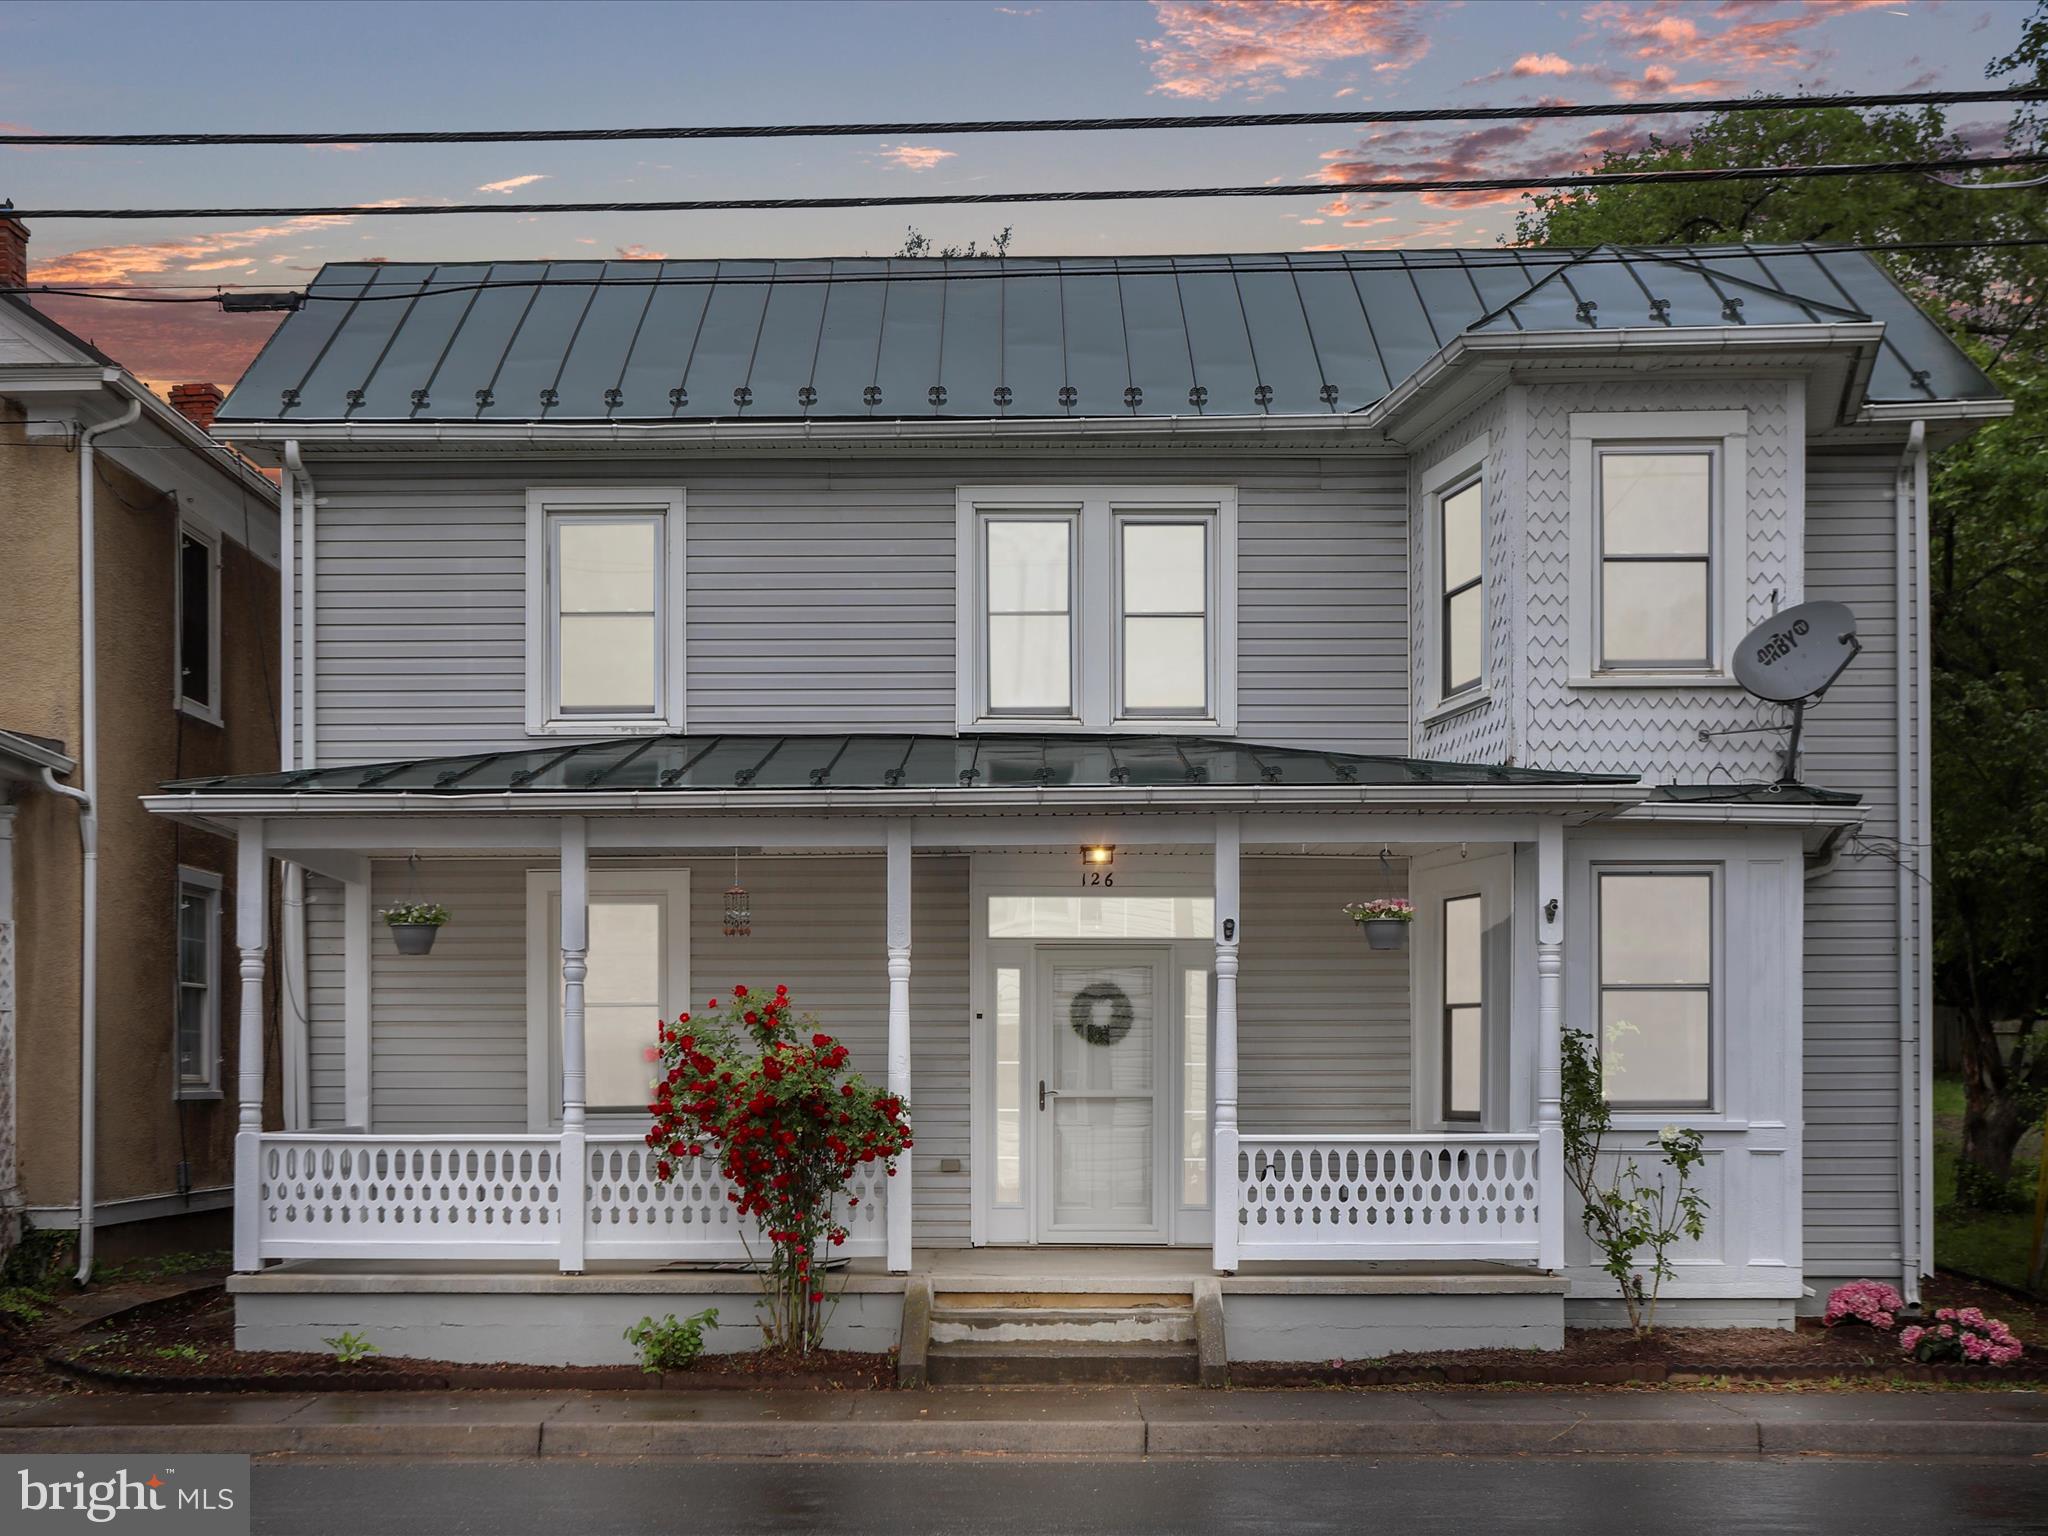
{"points": [[1912, 468], [294, 1027], [89, 835]]}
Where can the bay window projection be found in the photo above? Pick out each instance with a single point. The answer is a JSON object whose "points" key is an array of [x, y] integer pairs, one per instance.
{"points": [[1655, 970], [1464, 998], [1163, 573], [1462, 605], [1656, 557], [1028, 577]]}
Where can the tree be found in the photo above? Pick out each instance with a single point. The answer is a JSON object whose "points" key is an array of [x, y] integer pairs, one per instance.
{"points": [[917, 243], [1988, 518]]}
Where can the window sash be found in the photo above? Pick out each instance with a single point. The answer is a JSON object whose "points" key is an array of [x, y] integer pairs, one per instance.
{"points": [[559, 706], [1459, 1009], [1706, 988], [1707, 557], [196, 1021], [1127, 617], [197, 636], [1065, 709]]}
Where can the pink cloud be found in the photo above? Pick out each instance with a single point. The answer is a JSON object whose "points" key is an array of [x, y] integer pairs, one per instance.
{"points": [[1761, 35], [1495, 150], [1540, 64], [166, 344], [916, 157], [1212, 47], [513, 183]]}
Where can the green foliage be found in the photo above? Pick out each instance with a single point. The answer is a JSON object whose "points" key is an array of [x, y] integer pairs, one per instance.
{"points": [[351, 1348], [1626, 1212], [1988, 520], [917, 243], [21, 1307], [39, 1260], [426, 914], [161, 1266], [670, 1345], [192, 1354]]}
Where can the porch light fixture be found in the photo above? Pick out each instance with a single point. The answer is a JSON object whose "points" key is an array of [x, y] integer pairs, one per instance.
{"points": [[1097, 855], [739, 913]]}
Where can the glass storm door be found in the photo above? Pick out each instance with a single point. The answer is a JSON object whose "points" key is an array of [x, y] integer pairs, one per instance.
{"points": [[1099, 1101]]}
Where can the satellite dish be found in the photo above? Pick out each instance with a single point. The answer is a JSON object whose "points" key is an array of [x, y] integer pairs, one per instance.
{"points": [[1793, 657]]}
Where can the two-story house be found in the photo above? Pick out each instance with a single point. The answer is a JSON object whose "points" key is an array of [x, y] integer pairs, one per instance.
{"points": [[1025, 662]]}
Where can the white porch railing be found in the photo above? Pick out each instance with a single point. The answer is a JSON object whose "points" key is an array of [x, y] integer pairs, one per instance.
{"points": [[1388, 1197], [324, 1196]]}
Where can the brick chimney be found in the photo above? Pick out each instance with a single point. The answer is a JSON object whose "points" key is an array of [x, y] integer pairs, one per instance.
{"points": [[197, 403], [13, 253]]}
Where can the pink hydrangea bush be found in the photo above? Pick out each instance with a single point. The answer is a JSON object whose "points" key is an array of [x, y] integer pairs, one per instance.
{"points": [[1961, 1334], [1863, 1301]]}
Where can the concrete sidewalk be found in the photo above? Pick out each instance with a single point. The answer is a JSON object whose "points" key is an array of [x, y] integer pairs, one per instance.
{"points": [[1100, 1422]]}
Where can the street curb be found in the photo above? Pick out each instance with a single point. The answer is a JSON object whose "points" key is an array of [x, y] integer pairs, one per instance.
{"points": [[874, 1439]]}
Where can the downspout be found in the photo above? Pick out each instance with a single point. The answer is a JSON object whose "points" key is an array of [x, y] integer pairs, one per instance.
{"points": [[1923, 857], [87, 795], [295, 1029], [1905, 625]]}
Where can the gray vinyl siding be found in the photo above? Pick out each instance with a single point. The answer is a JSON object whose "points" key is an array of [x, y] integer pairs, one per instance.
{"points": [[1323, 1026], [324, 1002], [448, 1030], [822, 598], [1851, 958]]}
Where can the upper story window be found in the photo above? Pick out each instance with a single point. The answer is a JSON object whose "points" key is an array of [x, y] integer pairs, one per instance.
{"points": [[604, 610], [1659, 545], [1655, 972], [196, 689], [1097, 609], [1462, 587]]}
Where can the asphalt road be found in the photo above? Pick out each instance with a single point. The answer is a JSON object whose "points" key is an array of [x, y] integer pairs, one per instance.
{"points": [[971, 1496]]}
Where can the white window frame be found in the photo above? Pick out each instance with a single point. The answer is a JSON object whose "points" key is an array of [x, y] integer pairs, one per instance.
{"points": [[545, 504], [1715, 874], [1095, 601], [1434, 879], [544, 980], [211, 887], [1725, 434], [210, 710], [1441, 480]]}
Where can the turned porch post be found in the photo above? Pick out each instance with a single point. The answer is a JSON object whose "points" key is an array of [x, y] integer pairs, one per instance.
{"points": [[1549, 1044], [898, 1210], [252, 915], [1223, 1131], [575, 950]]}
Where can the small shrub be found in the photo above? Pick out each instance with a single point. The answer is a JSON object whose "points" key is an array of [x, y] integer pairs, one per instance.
{"points": [[425, 914], [1863, 1301], [21, 1307], [351, 1348], [190, 1353], [1961, 1334], [670, 1345]]}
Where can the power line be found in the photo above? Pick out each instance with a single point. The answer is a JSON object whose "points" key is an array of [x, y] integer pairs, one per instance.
{"points": [[1107, 195], [1551, 110], [1012, 269]]}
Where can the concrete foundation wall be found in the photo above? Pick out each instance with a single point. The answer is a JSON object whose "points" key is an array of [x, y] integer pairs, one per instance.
{"points": [[1695, 1312], [1355, 1327]]}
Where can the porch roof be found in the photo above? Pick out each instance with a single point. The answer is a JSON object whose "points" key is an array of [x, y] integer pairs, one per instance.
{"points": [[884, 762]]}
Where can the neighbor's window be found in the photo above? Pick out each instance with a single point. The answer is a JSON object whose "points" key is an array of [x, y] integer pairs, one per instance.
{"points": [[198, 624], [608, 600], [1463, 1049], [1656, 968], [198, 1016], [1462, 609], [1028, 576], [1656, 556], [1163, 617]]}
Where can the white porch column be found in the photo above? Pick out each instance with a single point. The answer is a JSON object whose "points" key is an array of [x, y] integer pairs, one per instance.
{"points": [[252, 913], [575, 949], [1549, 1038], [1223, 1132], [899, 1034]]}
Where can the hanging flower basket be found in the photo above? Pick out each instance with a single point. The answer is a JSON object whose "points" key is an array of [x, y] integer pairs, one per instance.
{"points": [[415, 925], [1385, 920]]}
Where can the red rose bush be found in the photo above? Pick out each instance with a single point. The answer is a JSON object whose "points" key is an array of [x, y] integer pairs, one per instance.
{"points": [[769, 1096]]}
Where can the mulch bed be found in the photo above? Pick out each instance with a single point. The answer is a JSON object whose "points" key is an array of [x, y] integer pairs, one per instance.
{"points": [[190, 1348]]}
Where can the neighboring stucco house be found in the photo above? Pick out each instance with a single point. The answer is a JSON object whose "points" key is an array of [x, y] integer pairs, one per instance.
{"points": [[1044, 652], [113, 1062]]}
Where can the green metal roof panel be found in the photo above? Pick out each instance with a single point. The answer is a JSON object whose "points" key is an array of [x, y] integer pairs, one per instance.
{"points": [[881, 762], [978, 338]]}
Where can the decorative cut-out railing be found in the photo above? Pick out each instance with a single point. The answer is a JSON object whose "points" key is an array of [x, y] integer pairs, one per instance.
{"points": [[326, 1196], [1388, 1197]]}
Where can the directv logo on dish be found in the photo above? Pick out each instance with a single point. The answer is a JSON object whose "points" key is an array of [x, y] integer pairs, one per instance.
{"points": [[194, 1496]]}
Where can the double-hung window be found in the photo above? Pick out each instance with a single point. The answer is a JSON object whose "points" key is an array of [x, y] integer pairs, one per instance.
{"points": [[604, 610], [1461, 588], [1655, 968], [1097, 609], [196, 689], [196, 1028]]}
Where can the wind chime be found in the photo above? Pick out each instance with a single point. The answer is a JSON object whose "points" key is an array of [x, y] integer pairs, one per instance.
{"points": [[739, 913]]}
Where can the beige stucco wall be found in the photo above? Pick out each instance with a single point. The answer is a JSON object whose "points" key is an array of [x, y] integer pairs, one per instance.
{"points": [[143, 1132]]}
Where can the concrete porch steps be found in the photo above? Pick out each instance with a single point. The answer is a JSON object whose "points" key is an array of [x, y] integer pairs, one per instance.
{"points": [[1064, 1337], [1013, 1363]]}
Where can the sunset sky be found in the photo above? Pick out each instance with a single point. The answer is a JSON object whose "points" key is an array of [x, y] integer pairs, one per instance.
{"points": [[365, 66]]}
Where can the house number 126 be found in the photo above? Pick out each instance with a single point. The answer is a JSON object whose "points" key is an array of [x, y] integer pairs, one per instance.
{"points": [[1097, 877]]}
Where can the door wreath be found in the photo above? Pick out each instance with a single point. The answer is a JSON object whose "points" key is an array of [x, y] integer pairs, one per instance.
{"points": [[1081, 1013]]}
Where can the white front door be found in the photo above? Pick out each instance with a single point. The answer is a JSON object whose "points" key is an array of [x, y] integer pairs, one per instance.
{"points": [[1100, 1100]]}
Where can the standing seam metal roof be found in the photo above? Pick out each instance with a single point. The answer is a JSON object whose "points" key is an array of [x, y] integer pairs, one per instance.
{"points": [[979, 338]]}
